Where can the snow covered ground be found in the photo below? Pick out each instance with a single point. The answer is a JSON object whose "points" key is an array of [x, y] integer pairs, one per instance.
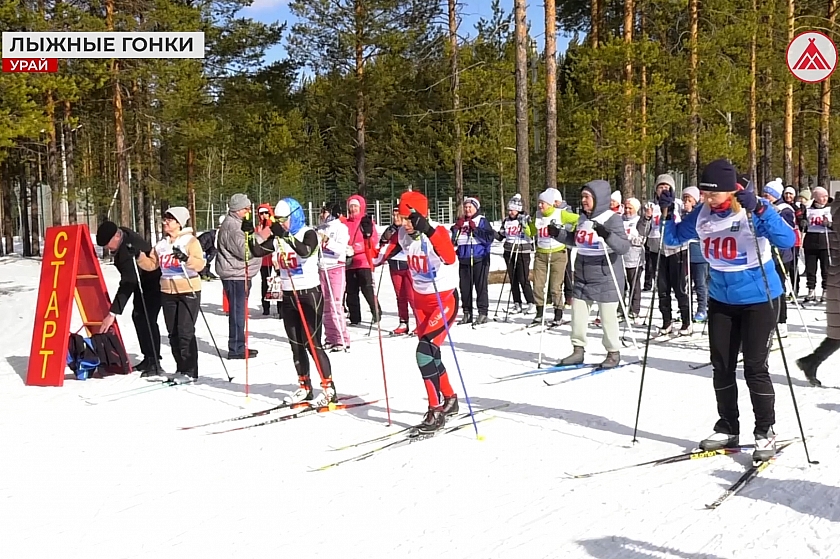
{"points": [[119, 480]]}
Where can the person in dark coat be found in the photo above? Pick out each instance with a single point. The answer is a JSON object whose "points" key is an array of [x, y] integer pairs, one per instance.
{"points": [[144, 286], [831, 343], [599, 236], [208, 245]]}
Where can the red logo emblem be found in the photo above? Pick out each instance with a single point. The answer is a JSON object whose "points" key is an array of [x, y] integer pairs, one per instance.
{"points": [[811, 57]]}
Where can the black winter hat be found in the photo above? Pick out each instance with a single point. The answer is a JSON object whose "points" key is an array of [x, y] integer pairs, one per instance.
{"points": [[336, 210], [106, 232], [719, 176]]}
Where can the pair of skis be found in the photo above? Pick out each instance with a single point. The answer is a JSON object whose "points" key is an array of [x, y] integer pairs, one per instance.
{"points": [[410, 436], [750, 474], [595, 370]]}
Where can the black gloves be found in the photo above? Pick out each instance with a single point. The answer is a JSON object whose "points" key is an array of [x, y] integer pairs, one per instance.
{"points": [[749, 201], [601, 230], [553, 230], [134, 251], [278, 230], [386, 236], [421, 224], [666, 203], [366, 225], [179, 254], [247, 225]]}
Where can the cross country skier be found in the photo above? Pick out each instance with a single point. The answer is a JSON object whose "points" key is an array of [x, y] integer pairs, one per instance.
{"points": [[400, 276], [741, 314], [634, 260], [303, 303], [831, 343], [518, 247], [551, 260], [474, 236], [815, 244], [431, 259], [599, 231], [784, 263], [178, 255]]}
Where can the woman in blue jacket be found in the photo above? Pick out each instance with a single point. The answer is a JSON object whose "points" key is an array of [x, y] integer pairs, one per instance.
{"points": [[473, 236], [741, 314]]}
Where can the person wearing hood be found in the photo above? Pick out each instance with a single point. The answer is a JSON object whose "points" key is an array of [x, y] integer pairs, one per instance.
{"points": [[815, 244], [208, 245], [653, 215], [783, 257], [265, 214], [434, 278], [697, 265], [634, 260], [180, 259], [668, 264], [473, 236], [143, 286], [801, 220], [742, 313], [296, 251], [400, 276], [359, 275], [552, 258], [831, 343], [231, 266], [334, 239], [518, 248], [600, 241]]}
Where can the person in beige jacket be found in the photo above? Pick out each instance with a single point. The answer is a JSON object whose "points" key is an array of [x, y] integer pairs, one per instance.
{"points": [[181, 260]]}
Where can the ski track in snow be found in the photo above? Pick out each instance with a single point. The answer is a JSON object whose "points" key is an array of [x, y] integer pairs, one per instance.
{"points": [[119, 480]]}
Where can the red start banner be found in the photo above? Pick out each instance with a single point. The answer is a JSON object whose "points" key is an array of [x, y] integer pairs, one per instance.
{"points": [[70, 272], [40, 65]]}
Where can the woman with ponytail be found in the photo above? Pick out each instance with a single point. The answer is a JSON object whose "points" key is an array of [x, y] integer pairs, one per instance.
{"points": [[742, 314]]}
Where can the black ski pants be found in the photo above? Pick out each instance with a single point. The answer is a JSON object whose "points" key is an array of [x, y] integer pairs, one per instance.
{"points": [[180, 312], [672, 277], [749, 328], [518, 268], [633, 284], [475, 273], [360, 279], [311, 310], [145, 317], [812, 258]]}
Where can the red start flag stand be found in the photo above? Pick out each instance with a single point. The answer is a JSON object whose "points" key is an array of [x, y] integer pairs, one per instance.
{"points": [[69, 272]]}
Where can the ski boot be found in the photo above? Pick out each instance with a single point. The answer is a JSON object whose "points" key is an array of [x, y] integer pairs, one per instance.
{"points": [[482, 319], [401, 330], [538, 317], [765, 446], [687, 329], [612, 360], [558, 317], [467, 318], [434, 420], [809, 363], [183, 378], [327, 396], [717, 441], [450, 405], [302, 394], [576, 358], [810, 297]]}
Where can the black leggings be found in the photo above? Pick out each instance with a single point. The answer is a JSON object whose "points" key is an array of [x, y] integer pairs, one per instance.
{"points": [[312, 306], [518, 268], [812, 258]]}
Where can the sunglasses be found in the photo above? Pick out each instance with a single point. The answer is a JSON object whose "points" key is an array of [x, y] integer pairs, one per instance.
{"points": [[281, 219], [264, 212], [168, 217]]}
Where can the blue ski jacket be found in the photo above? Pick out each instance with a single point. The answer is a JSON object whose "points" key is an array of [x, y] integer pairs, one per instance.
{"points": [[473, 244], [746, 287]]}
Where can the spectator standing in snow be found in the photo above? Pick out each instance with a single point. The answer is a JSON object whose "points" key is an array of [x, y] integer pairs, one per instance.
{"points": [[333, 238], [634, 260], [783, 257], [359, 275], [698, 266], [235, 231], [127, 245], [180, 259], [208, 245], [473, 237], [815, 244], [266, 213]]}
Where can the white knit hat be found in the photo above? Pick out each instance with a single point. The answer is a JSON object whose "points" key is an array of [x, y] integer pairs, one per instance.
{"points": [[550, 195], [616, 196], [634, 203], [692, 191]]}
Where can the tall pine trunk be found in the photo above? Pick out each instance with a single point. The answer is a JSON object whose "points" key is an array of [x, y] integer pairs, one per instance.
{"points": [[139, 178], [8, 226], [550, 94], [34, 206], [823, 175], [361, 177], [52, 162], [119, 129], [70, 161], [643, 111], [753, 148], [801, 175], [693, 94], [788, 140], [23, 200], [629, 163], [191, 184], [522, 161], [456, 104]]}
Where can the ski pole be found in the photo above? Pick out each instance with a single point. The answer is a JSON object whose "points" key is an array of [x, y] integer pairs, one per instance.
{"points": [[379, 334], [247, 351], [332, 300], [145, 311], [788, 285], [779, 337], [423, 245], [378, 310], [207, 324], [619, 292]]}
